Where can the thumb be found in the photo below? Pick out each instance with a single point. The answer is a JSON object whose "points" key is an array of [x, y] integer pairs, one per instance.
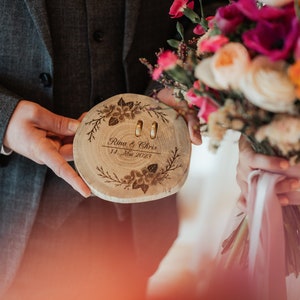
{"points": [[57, 124]]}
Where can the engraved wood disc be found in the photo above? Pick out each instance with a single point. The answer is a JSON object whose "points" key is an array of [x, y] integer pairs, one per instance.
{"points": [[131, 148]]}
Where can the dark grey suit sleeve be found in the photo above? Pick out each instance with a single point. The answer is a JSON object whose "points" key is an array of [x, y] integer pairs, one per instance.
{"points": [[8, 103]]}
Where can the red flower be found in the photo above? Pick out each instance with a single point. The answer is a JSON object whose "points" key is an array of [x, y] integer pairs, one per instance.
{"points": [[178, 6], [199, 30], [204, 103]]}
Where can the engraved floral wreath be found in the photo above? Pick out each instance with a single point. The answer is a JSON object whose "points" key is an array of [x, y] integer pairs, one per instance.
{"points": [[121, 112], [146, 177]]}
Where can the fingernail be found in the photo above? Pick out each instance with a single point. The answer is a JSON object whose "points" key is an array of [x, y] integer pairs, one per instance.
{"points": [[284, 201], [85, 194], [284, 165], [294, 184], [73, 126]]}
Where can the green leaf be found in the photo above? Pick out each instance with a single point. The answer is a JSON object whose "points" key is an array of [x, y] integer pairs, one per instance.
{"points": [[204, 24], [190, 14], [201, 9], [180, 30], [173, 43], [181, 76]]}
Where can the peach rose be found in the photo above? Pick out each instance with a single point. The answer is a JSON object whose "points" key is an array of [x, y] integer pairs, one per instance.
{"points": [[283, 132], [267, 85], [203, 72], [225, 68]]}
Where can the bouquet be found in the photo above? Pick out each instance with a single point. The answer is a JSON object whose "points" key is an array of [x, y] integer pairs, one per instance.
{"points": [[240, 69]]}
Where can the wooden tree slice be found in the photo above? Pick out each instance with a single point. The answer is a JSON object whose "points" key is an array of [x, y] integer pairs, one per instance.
{"points": [[132, 148]]}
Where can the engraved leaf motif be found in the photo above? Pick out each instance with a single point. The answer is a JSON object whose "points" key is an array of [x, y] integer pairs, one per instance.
{"points": [[130, 104], [113, 121], [152, 168], [121, 103]]}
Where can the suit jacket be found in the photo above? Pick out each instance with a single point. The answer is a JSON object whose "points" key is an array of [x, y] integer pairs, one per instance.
{"points": [[26, 66]]}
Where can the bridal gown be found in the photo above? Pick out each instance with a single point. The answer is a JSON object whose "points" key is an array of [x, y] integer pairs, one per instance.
{"points": [[219, 204]]}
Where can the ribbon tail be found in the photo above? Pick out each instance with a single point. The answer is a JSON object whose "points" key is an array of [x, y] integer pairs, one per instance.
{"points": [[266, 237]]}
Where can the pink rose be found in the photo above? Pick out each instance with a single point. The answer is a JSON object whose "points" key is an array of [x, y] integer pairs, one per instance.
{"points": [[205, 104], [212, 44], [178, 6]]}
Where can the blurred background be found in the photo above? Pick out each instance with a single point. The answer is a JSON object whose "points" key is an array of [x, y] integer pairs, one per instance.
{"points": [[205, 203]]}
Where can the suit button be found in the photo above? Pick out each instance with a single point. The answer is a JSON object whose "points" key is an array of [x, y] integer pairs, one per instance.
{"points": [[45, 79], [98, 36]]}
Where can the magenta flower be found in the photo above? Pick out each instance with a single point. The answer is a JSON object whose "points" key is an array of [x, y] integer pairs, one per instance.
{"points": [[297, 49], [178, 6], [250, 10], [228, 18], [275, 39]]}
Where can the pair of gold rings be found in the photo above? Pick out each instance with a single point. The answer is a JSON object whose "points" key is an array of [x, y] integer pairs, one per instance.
{"points": [[153, 130]]}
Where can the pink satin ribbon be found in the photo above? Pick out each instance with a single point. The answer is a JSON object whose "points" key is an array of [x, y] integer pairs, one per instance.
{"points": [[266, 236]]}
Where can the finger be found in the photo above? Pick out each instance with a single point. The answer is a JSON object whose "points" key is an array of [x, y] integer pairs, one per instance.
{"points": [[244, 189], [67, 140], [56, 124], [82, 116], [269, 163], [167, 96], [66, 151], [66, 172], [194, 129], [260, 161], [242, 202], [287, 185], [55, 161], [291, 198]]}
